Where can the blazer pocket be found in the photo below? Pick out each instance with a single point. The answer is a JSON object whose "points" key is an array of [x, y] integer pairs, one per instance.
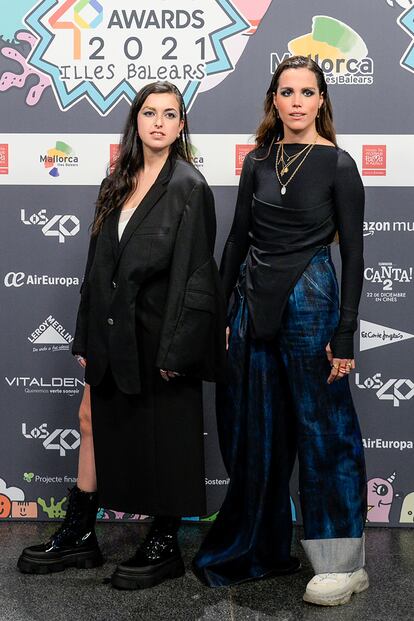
{"points": [[152, 231], [199, 300]]}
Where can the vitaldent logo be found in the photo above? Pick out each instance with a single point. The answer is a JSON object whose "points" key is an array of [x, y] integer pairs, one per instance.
{"points": [[373, 335], [337, 48], [60, 226], [61, 440], [68, 386], [50, 335], [21, 279], [59, 156], [394, 390]]}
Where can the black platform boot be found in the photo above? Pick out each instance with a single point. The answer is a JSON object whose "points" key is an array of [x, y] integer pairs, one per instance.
{"points": [[74, 544], [156, 560]]}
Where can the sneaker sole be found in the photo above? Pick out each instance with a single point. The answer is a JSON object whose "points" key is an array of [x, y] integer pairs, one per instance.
{"points": [[339, 599], [129, 581], [84, 560]]}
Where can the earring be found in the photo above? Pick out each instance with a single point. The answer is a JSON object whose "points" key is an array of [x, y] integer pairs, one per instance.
{"points": [[277, 112]]}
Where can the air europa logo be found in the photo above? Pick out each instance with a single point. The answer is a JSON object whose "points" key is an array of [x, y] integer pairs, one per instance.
{"points": [[336, 47], [106, 51], [19, 279]]}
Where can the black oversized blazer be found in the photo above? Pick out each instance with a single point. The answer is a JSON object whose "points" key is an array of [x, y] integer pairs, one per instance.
{"points": [[164, 261]]}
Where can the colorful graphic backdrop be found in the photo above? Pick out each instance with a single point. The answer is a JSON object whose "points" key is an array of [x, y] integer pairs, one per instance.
{"points": [[68, 72]]}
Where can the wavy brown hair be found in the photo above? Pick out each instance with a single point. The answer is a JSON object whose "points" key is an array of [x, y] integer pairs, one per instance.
{"points": [[122, 181], [270, 129]]}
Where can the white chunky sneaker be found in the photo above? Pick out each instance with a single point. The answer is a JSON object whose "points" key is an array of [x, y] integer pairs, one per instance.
{"points": [[335, 589]]}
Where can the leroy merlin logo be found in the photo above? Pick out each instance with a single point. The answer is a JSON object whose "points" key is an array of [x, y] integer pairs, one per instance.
{"points": [[50, 335]]}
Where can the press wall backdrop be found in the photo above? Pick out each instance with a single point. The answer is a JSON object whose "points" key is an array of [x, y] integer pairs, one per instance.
{"points": [[68, 72]]}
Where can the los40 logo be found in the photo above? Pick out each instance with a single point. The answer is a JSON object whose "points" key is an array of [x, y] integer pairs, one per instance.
{"points": [[394, 389], [61, 440], [60, 226]]}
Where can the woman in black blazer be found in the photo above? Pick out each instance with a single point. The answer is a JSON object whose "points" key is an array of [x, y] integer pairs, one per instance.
{"points": [[150, 327]]}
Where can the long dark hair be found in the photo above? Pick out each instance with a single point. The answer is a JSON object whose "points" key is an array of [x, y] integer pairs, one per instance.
{"points": [[271, 126], [122, 181]]}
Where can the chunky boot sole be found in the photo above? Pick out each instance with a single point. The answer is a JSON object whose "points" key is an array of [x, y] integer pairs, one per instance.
{"points": [[146, 577], [80, 560], [336, 600]]}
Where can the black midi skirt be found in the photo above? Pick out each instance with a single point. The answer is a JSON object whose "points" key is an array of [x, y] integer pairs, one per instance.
{"points": [[149, 451]]}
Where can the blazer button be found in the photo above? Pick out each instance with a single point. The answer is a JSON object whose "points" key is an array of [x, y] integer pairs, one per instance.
{"points": [[113, 284], [110, 321]]}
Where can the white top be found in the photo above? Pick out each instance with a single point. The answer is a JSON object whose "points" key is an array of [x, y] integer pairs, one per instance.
{"points": [[124, 218]]}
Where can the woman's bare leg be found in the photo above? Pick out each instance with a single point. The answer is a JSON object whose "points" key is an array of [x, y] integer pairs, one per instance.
{"points": [[86, 466]]}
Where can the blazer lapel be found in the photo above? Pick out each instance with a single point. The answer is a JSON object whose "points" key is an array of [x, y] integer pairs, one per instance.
{"points": [[150, 199], [113, 232]]}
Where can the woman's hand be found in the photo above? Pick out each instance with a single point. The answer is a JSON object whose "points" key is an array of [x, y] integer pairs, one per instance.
{"points": [[339, 366], [81, 360], [167, 375], [227, 337]]}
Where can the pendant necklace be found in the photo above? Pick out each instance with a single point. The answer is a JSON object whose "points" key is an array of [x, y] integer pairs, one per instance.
{"points": [[286, 164]]}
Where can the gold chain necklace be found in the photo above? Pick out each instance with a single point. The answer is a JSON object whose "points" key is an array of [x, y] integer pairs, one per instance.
{"points": [[285, 169], [290, 159]]}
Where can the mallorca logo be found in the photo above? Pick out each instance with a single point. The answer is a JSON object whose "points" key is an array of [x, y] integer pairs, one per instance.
{"points": [[373, 335], [106, 51], [50, 335], [61, 155], [336, 47], [196, 157]]}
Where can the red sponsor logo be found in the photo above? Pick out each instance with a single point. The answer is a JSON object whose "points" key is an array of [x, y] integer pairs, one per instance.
{"points": [[241, 151], [374, 160], [4, 159], [113, 155]]}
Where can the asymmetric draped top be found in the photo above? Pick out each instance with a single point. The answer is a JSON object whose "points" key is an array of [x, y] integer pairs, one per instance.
{"points": [[278, 234]]}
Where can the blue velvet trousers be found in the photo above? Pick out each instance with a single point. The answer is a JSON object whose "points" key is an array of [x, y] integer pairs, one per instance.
{"points": [[276, 405]]}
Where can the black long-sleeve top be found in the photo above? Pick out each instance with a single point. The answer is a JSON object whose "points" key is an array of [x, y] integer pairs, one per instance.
{"points": [[281, 233]]}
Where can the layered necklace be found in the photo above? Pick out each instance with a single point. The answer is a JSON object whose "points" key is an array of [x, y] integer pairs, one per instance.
{"points": [[284, 163]]}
